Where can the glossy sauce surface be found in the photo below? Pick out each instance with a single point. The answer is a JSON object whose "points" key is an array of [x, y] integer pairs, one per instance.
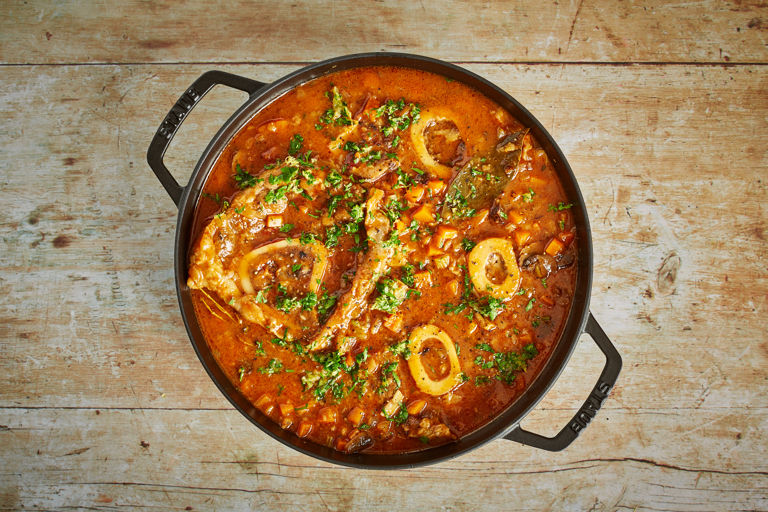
{"points": [[358, 386]]}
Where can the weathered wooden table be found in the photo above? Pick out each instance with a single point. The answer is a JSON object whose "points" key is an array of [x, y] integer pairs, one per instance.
{"points": [[662, 110]]}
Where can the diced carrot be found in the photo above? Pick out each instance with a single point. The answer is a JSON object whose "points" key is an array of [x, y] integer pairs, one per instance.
{"points": [[356, 416], [274, 221], [350, 359], [286, 408], [415, 193], [443, 261], [304, 429], [453, 287], [554, 247], [525, 336], [479, 217], [566, 237], [394, 323], [433, 251], [546, 299], [400, 225], [515, 218], [327, 415], [422, 280], [443, 234], [423, 214], [262, 402], [286, 422], [416, 406], [391, 407], [521, 237], [436, 186], [341, 444], [273, 125]]}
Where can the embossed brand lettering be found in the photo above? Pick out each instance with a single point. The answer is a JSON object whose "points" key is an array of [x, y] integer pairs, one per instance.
{"points": [[178, 113], [590, 407]]}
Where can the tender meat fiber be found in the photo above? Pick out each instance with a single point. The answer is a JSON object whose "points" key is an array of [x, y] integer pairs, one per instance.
{"points": [[375, 261], [213, 263]]}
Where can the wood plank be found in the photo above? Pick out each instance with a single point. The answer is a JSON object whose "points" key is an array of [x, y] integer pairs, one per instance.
{"points": [[50, 32], [673, 169], [54, 459]]}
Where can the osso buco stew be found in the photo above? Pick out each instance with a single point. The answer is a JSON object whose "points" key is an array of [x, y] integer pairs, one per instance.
{"points": [[383, 261]]}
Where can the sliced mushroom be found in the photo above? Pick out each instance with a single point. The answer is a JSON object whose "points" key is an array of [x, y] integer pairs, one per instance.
{"points": [[540, 265]]}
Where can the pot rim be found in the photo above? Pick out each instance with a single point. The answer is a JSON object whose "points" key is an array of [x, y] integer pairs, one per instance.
{"points": [[506, 420]]}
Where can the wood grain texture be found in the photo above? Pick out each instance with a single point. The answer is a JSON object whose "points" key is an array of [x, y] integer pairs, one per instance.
{"points": [[214, 460], [571, 31], [671, 161]]}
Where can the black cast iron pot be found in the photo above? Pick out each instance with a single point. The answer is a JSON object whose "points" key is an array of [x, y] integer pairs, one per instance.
{"points": [[579, 320]]}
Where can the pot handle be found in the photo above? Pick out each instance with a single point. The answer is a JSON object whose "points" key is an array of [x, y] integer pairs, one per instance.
{"points": [[571, 431], [179, 112]]}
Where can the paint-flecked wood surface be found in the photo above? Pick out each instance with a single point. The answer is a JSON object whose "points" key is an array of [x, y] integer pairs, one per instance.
{"points": [[103, 403]]}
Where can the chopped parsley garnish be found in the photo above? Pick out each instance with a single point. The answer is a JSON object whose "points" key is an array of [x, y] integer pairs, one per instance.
{"points": [[394, 210], [273, 366], [339, 113], [389, 375], [400, 417], [325, 304], [309, 301], [295, 145], [260, 297], [407, 276], [334, 178], [243, 178], [560, 207], [308, 238], [407, 115], [467, 244], [528, 196], [489, 307], [482, 380], [413, 227], [286, 303], [404, 180], [351, 146], [458, 204], [506, 363], [401, 348], [529, 306], [332, 235], [391, 294], [329, 377], [286, 228], [356, 212], [368, 156]]}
